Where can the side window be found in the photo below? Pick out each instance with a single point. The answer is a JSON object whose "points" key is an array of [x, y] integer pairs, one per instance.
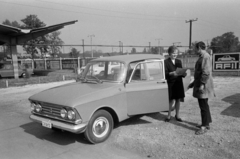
{"points": [[8, 67], [155, 70], [139, 73]]}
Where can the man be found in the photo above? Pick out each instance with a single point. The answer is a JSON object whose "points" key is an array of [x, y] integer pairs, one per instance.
{"points": [[203, 86]]}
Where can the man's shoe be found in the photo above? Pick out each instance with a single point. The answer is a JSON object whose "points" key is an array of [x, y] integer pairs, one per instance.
{"points": [[201, 131], [199, 126]]}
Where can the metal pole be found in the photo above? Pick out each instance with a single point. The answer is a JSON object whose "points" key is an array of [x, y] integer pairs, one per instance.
{"points": [[149, 47], [159, 51], [190, 34], [119, 47], [91, 43], [83, 47]]}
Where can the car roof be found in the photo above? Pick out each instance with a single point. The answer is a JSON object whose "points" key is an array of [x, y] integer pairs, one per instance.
{"points": [[130, 58]]}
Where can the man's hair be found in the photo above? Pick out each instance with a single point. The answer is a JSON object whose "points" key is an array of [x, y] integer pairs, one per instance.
{"points": [[171, 49], [201, 45]]}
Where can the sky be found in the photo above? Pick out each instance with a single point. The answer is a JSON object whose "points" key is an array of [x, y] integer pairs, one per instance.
{"points": [[133, 22]]}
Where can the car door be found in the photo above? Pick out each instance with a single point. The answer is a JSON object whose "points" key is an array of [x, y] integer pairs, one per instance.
{"points": [[7, 71], [147, 89]]}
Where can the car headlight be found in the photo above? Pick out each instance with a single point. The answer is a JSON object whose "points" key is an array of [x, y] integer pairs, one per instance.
{"points": [[71, 115], [38, 108], [63, 113], [33, 105]]}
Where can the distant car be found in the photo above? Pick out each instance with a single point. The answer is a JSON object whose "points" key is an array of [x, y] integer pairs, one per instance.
{"points": [[6, 70], [226, 58], [135, 85], [100, 67]]}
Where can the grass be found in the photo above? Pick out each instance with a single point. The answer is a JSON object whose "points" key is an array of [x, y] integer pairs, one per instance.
{"points": [[40, 77]]}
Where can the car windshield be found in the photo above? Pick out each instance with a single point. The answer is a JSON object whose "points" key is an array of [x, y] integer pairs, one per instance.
{"points": [[109, 71]]}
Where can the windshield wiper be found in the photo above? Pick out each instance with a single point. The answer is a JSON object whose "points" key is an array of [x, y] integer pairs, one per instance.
{"points": [[98, 80], [85, 79]]}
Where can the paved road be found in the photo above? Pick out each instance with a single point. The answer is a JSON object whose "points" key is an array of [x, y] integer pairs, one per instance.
{"points": [[20, 138]]}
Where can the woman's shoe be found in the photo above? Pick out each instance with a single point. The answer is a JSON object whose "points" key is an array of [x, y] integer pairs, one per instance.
{"points": [[199, 126], [178, 119], [167, 119], [201, 131]]}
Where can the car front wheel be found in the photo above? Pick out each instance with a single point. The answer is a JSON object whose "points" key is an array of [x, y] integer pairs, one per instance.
{"points": [[99, 127]]}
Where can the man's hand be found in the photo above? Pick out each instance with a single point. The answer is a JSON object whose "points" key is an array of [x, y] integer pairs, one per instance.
{"points": [[190, 85], [201, 88], [173, 73]]}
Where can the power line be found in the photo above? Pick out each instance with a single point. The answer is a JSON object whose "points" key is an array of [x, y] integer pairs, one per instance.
{"points": [[90, 13], [108, 10]]}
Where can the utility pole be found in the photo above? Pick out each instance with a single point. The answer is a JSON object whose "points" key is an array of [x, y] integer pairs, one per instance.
{"points": [[120, 47], [83, 47], [159, 45], [91, 43], [149, 47], [190, 36]]}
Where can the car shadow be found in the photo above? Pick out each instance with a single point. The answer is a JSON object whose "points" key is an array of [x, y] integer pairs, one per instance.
{"points": [[134, 120], [58, 137], [234, 109], [157, 116], [185, 124]]}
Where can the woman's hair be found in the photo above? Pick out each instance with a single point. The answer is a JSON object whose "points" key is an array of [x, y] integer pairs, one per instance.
{"points": [[171, 49], [201, 45]]}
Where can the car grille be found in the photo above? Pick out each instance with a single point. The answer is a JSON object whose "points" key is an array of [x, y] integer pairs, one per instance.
{"points": [[51, 109]]}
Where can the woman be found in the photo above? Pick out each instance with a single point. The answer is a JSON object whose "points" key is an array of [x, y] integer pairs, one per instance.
{"points": [[175, 83]]}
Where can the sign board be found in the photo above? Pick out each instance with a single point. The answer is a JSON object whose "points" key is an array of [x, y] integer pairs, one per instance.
{"points": [[69, 64], [226, 62]]}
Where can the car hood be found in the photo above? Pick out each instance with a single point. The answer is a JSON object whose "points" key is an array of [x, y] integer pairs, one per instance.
{"points": [[77, 93]]}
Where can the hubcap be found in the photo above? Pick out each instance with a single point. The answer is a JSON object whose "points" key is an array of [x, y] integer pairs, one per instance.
{"points": [[100, 127]]}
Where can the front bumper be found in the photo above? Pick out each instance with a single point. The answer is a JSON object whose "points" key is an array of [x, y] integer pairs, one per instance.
{"points": [[61, 125]]}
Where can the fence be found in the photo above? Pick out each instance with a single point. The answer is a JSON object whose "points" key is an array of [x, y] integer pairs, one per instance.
{"points": [[54, 64], [73, 63]]}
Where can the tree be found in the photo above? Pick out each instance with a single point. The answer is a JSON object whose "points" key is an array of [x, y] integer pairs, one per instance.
{"points": [[154, 50], [133, 50], [227, 42], [144, 50], [55, 43], [50, 43], [74, 53], [14, 23], [31, 22]]}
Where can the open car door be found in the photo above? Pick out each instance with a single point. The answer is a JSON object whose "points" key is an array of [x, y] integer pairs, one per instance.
{"points": [[147, 89]]}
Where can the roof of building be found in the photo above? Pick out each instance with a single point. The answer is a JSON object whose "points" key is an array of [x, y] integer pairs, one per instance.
{"points": [[22, 35]]}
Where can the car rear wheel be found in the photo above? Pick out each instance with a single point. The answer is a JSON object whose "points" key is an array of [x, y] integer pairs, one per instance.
{"points": [[99, 127]]}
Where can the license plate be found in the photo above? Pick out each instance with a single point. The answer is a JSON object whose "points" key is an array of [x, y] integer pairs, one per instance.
{"points": [[47, 124]]}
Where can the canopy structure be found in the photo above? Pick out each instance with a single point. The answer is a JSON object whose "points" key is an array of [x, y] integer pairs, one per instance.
{"points": [[16, 36]]}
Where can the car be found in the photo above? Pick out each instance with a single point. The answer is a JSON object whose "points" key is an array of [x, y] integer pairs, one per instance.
{"points": [[100, 67], [95, 103], [6, 70], [226, 58]]}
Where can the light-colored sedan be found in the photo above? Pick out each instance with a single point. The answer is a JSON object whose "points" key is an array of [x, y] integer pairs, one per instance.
{"points": [[96, 102], [226, 58], [6, 70]]}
